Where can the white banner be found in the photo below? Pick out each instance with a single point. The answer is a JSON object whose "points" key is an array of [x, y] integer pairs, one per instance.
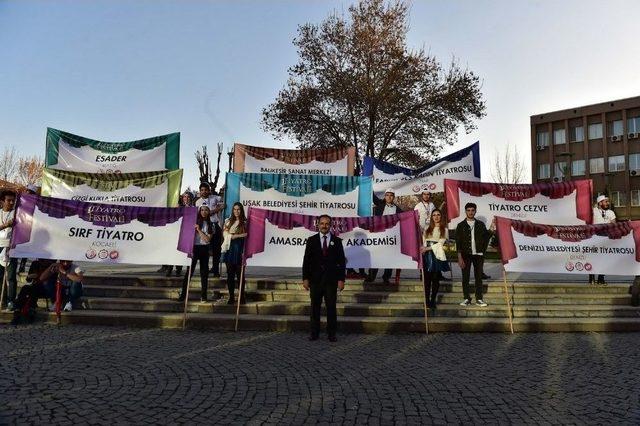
{"points": [[130, 161], [610, 249], [463, 165], [566, 203], [62, 229], [278, 239]]}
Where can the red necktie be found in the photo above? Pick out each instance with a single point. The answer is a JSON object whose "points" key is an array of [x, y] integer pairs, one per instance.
{"points": [[325, 249]]}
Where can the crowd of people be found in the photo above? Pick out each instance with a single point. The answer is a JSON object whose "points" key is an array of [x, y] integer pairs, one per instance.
{"points": [[219, 239]]}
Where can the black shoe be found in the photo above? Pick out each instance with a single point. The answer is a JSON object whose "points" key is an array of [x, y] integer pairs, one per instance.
{"points": [[162, 269], [216, 275], [231, 302], [386, 281], [443, 278], [485, 276], [313, 337], [333, 339], [181, 298], [203, 300], [168, 274]]}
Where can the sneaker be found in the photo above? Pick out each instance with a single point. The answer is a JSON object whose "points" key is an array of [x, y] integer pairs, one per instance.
{"points": [[68, 307], [52, 307], [203, 300], [465, 302], [10, 306], [481, 303]]}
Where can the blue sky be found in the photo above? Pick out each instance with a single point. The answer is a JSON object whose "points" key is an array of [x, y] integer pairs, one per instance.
{"points": [[124, 70]]}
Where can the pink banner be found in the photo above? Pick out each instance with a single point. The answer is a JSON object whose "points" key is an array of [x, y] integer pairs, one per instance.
{"points": [[361, 234]]}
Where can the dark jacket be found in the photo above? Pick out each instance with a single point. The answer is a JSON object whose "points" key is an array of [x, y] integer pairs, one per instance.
{"points": [[463, 237], [378, 206], [319, 269]]}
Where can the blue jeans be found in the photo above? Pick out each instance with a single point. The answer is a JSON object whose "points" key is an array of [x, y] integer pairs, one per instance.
{"points": [[71, 292]]}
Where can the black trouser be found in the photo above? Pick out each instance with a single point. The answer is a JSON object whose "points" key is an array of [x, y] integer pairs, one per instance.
{"points": [[216, 247], [592, 278], [478, 263], [11, 269], [200, 253], [328, 291], [385, 276], [233, 275], [431, 287]]}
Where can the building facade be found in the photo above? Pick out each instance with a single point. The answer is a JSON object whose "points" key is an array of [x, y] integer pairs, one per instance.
{"points": [[599, 142]]}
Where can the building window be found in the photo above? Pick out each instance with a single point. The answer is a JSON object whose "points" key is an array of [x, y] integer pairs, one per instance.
{"points": [[560, 169], [618, 199], [542, 139], [635, 198], [577, 168], [559, 137], [634, 161], [596, 165], [633, 125], [616, 128], [576, 134], [595, 131], [544, 171], [616, 163]]}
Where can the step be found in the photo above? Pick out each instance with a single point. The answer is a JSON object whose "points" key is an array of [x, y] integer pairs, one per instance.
{"points": [[349, 296], [390, 310], [153, 281], [369, 325]]}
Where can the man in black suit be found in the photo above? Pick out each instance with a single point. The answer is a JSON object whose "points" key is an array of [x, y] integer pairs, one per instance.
{"points": [[323, 272], [382, 208]]}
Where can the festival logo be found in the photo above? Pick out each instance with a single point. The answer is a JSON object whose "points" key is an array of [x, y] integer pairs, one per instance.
{"points": [[113, 254], [90, 254], [579, 266], [569, 266], [103, 254], [588, 266], [416, 188]]}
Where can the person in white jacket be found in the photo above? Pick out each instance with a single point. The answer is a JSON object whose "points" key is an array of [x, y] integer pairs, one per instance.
{"points": [[602, 213]]}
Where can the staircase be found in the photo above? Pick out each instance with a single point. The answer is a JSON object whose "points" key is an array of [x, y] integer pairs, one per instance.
{"points": [[147, 300]]}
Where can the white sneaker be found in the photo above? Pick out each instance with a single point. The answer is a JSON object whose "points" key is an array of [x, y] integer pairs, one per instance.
{"points": [[481, 303], [68, 307], [52, 307], [465, 302]]}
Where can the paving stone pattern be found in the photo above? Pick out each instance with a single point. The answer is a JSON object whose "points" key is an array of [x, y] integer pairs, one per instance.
{"points": [[110, 375]]}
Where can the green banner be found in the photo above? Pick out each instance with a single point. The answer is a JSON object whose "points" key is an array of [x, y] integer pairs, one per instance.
{"points": [[67, 151], [150, 189]]}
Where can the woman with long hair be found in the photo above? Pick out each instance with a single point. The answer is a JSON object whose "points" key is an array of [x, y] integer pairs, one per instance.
{"points": [[234, 233], [203, 230], [433, 256]]}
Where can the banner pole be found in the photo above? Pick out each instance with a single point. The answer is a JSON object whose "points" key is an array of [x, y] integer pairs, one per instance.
{"points": [[4, 283], [186, 297], [241, 289], [507, 298], [424, 300], [58, 306]]}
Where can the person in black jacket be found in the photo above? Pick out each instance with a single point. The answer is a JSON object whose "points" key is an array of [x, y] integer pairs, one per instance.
{"points": [[382, 208], [323, 272], [472, 240]]}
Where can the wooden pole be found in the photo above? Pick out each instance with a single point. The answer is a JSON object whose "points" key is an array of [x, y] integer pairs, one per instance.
{"points": [[4, 283], [240, 290], [424, 299], [186, 297], [58, 306], [507, 298]]}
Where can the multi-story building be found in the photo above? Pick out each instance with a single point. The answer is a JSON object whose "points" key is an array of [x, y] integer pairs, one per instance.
{"points": [[599, 142]]}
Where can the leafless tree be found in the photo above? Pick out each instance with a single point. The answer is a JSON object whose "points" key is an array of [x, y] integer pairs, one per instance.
{"points": [[507, 166], [9, 164]]}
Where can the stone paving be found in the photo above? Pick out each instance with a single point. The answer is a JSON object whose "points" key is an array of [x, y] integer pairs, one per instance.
{"points": [[109, 375]]}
